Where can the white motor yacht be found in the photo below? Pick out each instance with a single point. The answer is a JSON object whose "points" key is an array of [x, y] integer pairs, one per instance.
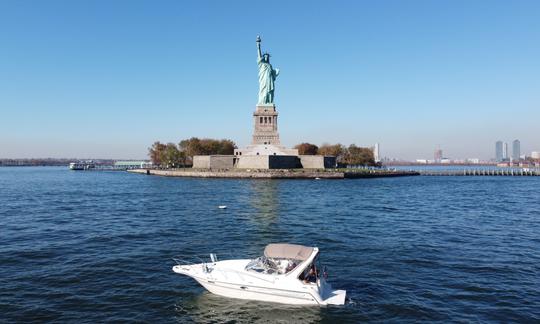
{"points": [[286, 273]]}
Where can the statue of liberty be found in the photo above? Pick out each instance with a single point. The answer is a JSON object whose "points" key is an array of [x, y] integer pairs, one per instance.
{"points": [[267, 76]]}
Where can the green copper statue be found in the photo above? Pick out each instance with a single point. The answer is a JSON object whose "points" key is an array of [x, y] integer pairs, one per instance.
{"points": [[267, 76]]}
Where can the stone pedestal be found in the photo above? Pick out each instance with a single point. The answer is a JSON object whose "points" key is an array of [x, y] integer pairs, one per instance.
{"points": [[265, 141], [265, 122]]}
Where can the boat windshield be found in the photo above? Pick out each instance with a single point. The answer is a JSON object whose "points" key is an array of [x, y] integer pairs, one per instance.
{"points": [[272, 266], [312, 272]]}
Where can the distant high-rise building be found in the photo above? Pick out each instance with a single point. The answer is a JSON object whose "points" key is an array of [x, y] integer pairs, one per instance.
{"points": [[505, 151], [376, 153], [516, 150], [438, 155], [498, 151]]}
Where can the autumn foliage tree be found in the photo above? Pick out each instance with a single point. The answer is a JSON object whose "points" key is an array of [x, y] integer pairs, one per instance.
{"points": [[352, 155], [157, 153], [166, 155], [307, 149], [359, 156], [206, 146], [171, 155], [336, 150]]}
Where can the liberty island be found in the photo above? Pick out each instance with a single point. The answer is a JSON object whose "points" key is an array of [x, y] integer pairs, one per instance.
{"points": [[265, 157]]}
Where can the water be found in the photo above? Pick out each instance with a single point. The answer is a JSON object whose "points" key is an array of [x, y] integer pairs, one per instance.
{"points": [[97, 246]]}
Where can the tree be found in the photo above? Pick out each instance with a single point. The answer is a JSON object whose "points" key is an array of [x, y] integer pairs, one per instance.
{"points": [[226, 147], [206, 146], [170, 155], [359, 156], [173, 156], [307, 149], [352, 155], [157, 153], [191, 146], [336, 150]]}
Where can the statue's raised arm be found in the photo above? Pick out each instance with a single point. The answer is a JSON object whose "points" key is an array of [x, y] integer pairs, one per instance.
{"points": [[259, 53]]}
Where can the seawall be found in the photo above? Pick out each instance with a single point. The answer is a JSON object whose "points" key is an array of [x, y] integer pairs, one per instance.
{"points": [[274, 174]]}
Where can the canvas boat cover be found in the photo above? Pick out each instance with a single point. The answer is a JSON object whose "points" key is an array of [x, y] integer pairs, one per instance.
{"points": [[288, 251]]}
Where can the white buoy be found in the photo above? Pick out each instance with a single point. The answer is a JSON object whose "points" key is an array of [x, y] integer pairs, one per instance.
{"points": [[222, 207], [317, 178]]}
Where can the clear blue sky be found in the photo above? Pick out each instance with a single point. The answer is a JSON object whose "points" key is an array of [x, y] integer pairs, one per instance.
{"points": [[107, 78]]}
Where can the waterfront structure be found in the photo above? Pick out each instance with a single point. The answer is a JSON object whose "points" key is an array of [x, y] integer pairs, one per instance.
{"points": [[516, 150], [535, 155], [505, 151], [498, 151], [132, 164]]}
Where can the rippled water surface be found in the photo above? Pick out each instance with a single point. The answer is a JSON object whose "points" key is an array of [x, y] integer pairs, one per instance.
{"points": [[96, 246]]}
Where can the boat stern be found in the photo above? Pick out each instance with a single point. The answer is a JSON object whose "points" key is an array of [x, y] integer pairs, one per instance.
{"points": [[335, 297], [331, 296]]}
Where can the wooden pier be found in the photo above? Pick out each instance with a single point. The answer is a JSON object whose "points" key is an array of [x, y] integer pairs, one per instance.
{"points": [[482, 172]]}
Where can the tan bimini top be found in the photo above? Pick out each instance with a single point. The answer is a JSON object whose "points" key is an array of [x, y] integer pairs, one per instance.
{"points": [[288, 251]]}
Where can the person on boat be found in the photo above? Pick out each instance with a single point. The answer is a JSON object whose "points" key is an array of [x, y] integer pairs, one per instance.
{"points": [[311, 276], [290, 266]]}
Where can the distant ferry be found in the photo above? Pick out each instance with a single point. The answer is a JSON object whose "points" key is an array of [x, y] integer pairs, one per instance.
{"points": [[81, 165]]}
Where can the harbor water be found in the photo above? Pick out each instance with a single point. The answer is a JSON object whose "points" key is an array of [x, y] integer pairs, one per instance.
{"points": [[86, 246]]}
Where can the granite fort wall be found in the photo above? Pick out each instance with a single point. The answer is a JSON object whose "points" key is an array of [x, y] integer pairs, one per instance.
{"points": [[213, 161], [317, 161], [201, 162], [267, 162], [283, 162], [263, 162], [253, 162]]}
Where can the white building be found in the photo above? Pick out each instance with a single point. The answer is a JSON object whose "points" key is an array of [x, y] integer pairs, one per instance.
{"points": [[376, 153]]}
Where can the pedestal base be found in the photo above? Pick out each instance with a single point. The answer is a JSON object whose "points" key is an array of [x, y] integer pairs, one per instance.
{"points": [[262, 149]]}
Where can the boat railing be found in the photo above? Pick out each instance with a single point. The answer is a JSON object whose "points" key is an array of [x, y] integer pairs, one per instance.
{"points": [[194, 259], [206, 258]]}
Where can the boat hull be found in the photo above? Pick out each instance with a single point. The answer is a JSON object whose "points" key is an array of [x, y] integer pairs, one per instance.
{"points": [[264, 294]]}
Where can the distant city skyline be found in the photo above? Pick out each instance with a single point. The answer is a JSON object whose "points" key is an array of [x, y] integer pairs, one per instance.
{"points": [[516, 150], [106, 79], [499, 155]]}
